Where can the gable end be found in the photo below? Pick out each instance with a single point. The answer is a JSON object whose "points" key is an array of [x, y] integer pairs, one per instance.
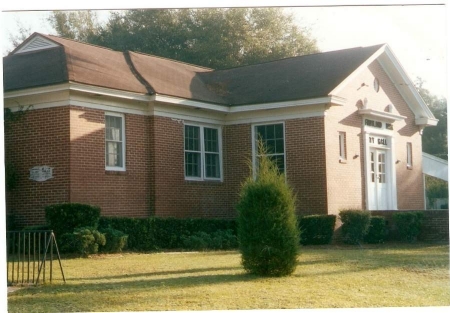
{"points": [[36, 43]]}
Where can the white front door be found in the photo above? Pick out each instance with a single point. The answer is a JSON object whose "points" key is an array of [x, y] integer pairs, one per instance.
{"points": [[378, 180]]}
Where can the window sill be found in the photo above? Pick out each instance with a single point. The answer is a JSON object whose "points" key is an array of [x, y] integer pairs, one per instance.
{"points": [[202, 180], [116, 172], [342, 161]]}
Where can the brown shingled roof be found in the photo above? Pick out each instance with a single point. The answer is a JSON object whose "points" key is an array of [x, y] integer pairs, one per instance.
{"points": [[98, 66], [295, 78], [173, 78]]}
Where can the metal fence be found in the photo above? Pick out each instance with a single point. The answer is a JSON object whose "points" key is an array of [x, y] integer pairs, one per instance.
{"points": [[30, 256]]}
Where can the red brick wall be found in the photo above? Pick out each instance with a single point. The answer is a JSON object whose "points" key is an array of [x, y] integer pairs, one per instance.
{"points": [[237, 148], [177, 197], [305, 164], [117, 193], [40, 138]]}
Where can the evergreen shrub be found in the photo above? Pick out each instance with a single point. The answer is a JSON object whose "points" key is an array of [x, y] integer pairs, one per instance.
{"points": [[408, 224], [267, 226], [152, 234], [83, 240], [115, 240], [316, 229], [355, 225], [219, 240], [64, 218], [377, 231]]}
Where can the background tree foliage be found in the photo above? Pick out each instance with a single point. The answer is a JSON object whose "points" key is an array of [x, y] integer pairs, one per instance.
{"points": [[434, 141], [434, 138], [78, 25], [216, 38]]}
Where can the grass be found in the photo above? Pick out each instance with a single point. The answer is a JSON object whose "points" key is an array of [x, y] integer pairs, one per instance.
{"points": [[326, 277]]}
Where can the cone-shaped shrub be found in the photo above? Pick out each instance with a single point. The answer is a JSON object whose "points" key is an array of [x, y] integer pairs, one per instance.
{"points": [[267, 225]]}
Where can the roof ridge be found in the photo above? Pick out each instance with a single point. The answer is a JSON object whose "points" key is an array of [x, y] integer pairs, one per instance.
{"points": [[298, 56], [172, 60], [78, 41]]}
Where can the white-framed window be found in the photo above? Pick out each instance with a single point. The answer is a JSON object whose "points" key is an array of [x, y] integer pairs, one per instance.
{"points": [[202, 152], [342, 147], [114, 141], [272, 137], [409, 159]]}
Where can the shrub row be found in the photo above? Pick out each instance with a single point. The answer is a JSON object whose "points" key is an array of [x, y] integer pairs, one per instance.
{"points": [[218, 240], [359, 226], [150, 234], [81, 230], [316, 229]]}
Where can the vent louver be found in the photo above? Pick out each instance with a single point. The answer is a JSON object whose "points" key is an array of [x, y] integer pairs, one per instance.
{"points": [[37, 43]]}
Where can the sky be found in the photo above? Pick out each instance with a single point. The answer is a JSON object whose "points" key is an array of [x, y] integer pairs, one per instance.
{"points": [[417, 33]]}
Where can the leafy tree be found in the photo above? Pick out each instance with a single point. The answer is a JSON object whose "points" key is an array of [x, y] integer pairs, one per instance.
{"points": [[23, 33], [78, 25], [434, 139], [267, 225], [216, 38]]}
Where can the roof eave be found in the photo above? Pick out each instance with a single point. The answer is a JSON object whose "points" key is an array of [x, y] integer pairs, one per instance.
{"points": [[425, 121], [406, 88]]}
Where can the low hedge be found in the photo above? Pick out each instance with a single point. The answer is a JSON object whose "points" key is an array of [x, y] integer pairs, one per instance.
{"points": [[355, 225], [316, 229], [409, 225], [115, 240], [66, 217], [218, 240], [150, 234], [377, 231]]}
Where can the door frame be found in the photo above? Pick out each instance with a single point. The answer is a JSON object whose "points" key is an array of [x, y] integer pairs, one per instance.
{"points": [[371, 141]]}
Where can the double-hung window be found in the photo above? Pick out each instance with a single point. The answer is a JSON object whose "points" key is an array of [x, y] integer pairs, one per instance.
{"points": [[202, 156], [114, 142], [272, 138]]}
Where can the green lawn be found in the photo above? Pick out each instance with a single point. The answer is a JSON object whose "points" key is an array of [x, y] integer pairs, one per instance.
{"points": [[326, 277]]}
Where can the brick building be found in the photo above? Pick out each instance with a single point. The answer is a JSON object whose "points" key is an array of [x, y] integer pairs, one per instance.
{"points": [[139, 135]]}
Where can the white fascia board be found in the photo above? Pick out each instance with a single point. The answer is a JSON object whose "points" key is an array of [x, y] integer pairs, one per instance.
{"points": [[404, 85], [287, 104], [110, 92], [81, 88], [356, 72], [250, 107], [191, 103]]}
